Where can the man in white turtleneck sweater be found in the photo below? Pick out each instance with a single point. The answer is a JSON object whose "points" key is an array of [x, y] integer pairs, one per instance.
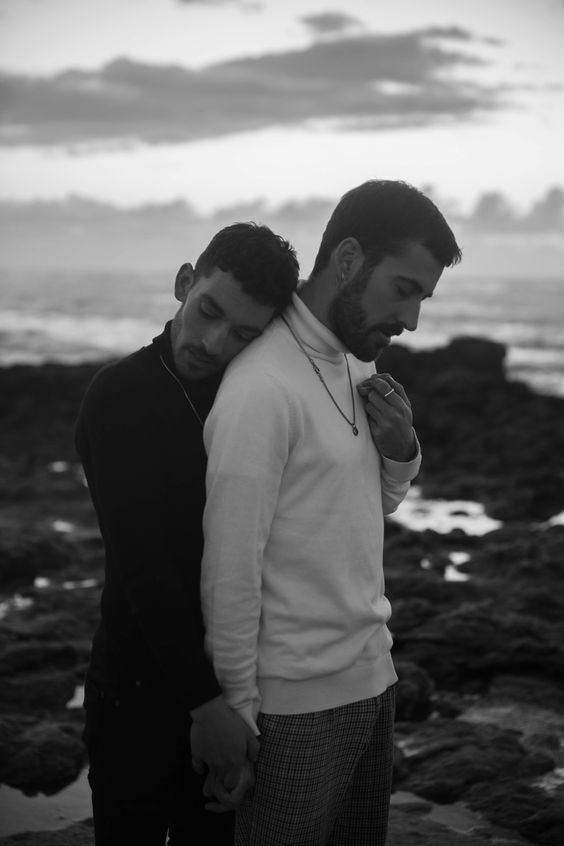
{"points": [[308, 449]]}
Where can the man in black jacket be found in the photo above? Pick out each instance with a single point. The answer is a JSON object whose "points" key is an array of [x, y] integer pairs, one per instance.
{"points": [[154, 708]]}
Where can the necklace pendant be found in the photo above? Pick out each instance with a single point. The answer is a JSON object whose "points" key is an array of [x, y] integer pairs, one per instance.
{"points": [[355, 430]]}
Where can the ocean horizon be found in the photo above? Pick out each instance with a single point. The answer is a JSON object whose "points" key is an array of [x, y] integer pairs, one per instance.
{"points": [[75, 316]]}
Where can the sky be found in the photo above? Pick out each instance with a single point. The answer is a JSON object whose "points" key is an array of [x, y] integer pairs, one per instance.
{"points": [[220, 104]]}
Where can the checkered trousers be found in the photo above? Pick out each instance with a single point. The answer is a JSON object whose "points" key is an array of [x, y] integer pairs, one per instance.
{"points": [[322, 779]]}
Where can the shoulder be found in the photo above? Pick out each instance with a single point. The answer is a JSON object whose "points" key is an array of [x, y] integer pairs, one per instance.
{"points": [[264, 360], [260, 370], [255, 392], [120, 386], [125, 372]]}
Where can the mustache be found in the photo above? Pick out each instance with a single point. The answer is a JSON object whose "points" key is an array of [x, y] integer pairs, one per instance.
{"points": [[200, 352], [388, 329]]}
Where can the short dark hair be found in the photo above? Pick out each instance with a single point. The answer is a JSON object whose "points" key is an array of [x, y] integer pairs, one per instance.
{"points": [[383, 215], [264, 264]]}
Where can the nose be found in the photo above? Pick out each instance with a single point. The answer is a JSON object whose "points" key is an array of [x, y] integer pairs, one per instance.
{"points": [[214, 339], [410, 315]]}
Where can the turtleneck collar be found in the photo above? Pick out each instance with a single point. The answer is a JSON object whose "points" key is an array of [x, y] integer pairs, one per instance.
{"points": [[314, 335]]}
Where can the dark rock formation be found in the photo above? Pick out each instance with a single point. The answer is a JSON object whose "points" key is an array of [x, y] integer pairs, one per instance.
{"points": [[39, 753], [480, 700], [413, 692], [447, 757]]}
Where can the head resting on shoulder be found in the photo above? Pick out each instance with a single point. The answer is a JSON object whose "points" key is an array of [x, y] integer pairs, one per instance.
{"points": [[244, 277], [263, 263]]}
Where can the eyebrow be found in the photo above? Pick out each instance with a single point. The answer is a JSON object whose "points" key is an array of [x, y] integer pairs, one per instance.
{"points": [[415, 284], [221, 312]]}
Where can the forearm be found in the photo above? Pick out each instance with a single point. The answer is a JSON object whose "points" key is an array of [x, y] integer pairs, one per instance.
{"points": [[247, 440], [231, 590], [396, 478]]}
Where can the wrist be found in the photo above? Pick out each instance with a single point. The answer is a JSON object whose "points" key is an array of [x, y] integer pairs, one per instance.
{"points": [[207, 710]]}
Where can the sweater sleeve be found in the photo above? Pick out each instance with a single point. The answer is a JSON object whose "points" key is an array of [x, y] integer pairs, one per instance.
{"points": [[396, 478], [145, 470], [247, 437]]}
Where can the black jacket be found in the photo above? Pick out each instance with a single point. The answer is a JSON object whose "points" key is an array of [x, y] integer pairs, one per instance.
{"points": [[142, 451]]}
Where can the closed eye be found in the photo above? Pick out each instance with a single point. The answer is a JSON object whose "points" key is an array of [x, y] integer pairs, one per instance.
{"points": [[207, 312], [404, 291], [406, 287], [245, 335]]}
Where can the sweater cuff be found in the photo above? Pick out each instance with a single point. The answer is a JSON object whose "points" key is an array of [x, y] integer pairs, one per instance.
{"points": [[403, 471], [248, 714]]}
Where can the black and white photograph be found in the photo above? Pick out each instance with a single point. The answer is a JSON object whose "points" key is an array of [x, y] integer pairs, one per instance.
{"points": [[281, 423]]}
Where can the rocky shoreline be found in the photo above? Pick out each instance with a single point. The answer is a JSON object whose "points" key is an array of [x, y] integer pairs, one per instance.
{"points": [[481, 659]]}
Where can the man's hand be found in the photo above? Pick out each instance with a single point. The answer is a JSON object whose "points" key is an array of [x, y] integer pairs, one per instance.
{"points": [[389, 417], [222, 742], [228, 800]]}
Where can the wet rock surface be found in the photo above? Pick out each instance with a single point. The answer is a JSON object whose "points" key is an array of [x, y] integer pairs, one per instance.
{"points": [[480, 701], [40, 753], [80, 834]]}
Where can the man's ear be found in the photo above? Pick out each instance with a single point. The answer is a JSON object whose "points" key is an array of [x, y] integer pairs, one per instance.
{"points": [[348, 257], [183, 282]]}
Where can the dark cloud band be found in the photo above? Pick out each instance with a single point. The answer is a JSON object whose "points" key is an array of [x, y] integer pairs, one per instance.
{"points": [[368, 81]]}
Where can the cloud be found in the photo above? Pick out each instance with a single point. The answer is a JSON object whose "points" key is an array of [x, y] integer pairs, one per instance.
{"points": [[368, 81], [329, 23], [494, 213], [547, 213], [457, 33], [80, 232]]}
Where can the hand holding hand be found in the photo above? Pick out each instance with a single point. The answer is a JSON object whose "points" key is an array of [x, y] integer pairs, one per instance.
{"points": [[228, 800], [389, 417], [222, 742]]}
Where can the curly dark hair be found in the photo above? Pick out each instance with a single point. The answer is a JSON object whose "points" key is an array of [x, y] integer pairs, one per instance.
{"points": [[264, 264], [383, 215]]}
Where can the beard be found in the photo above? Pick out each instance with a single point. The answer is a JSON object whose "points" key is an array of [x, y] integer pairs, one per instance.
{"points": [[348, 319]]}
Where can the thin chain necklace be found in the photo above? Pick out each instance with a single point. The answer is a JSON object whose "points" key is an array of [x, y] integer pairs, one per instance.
{"points": [[317, 371], [176, 379]]}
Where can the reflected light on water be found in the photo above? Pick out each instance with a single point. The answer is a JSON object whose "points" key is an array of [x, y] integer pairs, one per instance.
{"points": [[20, 813], [552, 782], [451, 572], [440, 515], [77, 697], [63, 526], [557, 520], [16, 603], [80, 583], [59, 466]]}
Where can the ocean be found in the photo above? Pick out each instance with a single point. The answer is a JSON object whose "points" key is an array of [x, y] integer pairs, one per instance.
{"points": [[75, 316]]}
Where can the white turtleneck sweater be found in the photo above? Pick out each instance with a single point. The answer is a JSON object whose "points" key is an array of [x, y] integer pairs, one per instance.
{"points": [[292, 577]]}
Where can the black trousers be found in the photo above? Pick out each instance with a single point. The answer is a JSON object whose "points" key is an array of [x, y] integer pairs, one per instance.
{"points": [[143, 785]]}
